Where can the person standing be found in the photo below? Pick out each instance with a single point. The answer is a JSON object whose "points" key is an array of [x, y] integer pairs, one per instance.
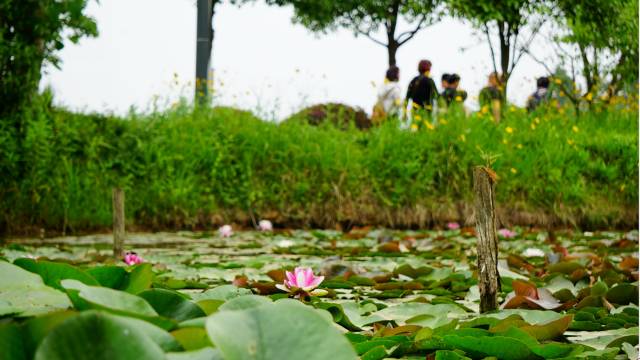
{"points": [[422, 90], [540, 96], [491, 97], [389, 102]]}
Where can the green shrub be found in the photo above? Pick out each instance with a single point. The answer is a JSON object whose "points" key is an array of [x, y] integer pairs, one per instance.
{"points": [[188, 168]]}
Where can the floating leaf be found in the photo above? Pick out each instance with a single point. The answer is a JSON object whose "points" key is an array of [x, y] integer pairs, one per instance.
{"points": [[285, 329], [94, 335]]}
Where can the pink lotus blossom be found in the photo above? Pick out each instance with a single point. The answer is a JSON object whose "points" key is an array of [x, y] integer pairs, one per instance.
{"points": [[302, 280], [265, 225], [453, 226], [131, 258], [506, 233], [226, 231]]}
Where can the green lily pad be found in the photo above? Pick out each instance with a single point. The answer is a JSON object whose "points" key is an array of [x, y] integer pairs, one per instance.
{"points": [[285, 329], [94, 297], [172, 304], [95, 335], [52, 272], [24, 293]]}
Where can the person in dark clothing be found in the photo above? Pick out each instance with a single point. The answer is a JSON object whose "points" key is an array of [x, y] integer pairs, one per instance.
{"points": [[540, 96], [444, 81], [422, 90]]}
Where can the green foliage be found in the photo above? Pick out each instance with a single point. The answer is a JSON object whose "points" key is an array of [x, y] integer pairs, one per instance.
{"points": [[606, 36], [31, 32], [367, 17], [182, 169]]}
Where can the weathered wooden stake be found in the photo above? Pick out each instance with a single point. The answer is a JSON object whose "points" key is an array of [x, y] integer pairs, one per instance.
{"points": [[118, 222], [485, 214]]}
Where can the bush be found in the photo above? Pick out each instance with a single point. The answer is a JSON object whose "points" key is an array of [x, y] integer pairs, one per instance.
{"points": [[190, 168]]}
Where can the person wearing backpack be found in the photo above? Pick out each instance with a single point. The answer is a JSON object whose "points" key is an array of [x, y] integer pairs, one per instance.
{"points": [[389, 102], [540, 96], [422, 90]]}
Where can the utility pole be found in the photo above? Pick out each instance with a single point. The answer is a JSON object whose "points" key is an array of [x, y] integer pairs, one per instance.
{"points": [[203, 50]]}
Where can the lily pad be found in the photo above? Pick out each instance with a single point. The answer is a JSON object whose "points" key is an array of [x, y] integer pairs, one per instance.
{"points": [[283, 330]]}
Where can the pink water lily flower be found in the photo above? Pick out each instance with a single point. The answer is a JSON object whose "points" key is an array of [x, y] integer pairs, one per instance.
{"points": [[226, 231], [453, 226], [265, 225], [506, 233], [131, 258], [302, 281]]}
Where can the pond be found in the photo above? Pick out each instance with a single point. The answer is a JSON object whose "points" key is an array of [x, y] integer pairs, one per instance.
{"points": [[385, 294]]}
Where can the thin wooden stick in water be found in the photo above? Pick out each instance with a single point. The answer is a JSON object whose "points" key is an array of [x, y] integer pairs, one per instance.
{"points": [[118, 222], [488, 277]]}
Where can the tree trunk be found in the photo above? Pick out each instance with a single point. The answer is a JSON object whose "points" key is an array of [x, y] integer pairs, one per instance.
{"points": [[118, 222], [392, 49], [488, 276], [503, 33]]}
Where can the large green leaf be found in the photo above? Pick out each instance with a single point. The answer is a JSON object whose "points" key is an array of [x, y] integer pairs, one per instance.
{"points": [[95, 297], [24, 293], [502, 347], [95, 335], [53, 272], [172, 304], [207, 353], [113, 277], [12, 346], [286, 329], [140, 279], [223, 292], [245, 302]]}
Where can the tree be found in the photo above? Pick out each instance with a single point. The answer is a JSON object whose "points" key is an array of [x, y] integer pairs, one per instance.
{"points": [[367, 17], [596, 41], [513, 22], [31, 33]]}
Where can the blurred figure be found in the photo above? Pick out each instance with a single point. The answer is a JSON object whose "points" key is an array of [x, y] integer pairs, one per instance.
{"points": [[444, 82], [492, 97], [540, 96], [389, 102], [422, 90], [453, 93]]}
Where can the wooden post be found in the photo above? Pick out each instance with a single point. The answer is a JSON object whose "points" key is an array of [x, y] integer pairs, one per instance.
{"points": [[118, 222], [485, 214]]}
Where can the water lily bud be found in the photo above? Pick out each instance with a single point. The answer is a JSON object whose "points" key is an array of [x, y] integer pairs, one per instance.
{"points": [[265, 225], [131, 258], [225, 231]]}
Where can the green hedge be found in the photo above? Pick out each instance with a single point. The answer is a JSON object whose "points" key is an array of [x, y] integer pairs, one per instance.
{"points": [[186, 168]]}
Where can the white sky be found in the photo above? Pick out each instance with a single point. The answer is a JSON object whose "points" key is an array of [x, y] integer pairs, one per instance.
{"points": [[266, 63]]}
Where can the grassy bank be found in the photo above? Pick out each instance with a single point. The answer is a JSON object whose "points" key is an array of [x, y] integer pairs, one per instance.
{"points": [[185, 168]]}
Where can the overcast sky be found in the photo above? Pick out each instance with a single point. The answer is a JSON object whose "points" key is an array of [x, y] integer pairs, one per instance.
{"points": [[145, 53]]}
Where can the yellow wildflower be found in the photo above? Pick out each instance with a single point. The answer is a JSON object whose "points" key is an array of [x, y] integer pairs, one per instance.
{"points": [[429, 125], [558, 81], [485, 109], [514, 171], [458, 98], [463, 138], [519, 146], [533, 126], [537, 120], [414, 127], [504, 141], [589, 96], [443, 121], [509, 130], [575, 129], [570, 142], [417, 117]]}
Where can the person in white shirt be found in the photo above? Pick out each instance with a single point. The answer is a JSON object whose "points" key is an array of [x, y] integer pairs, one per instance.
{"points": [[389, 101]]}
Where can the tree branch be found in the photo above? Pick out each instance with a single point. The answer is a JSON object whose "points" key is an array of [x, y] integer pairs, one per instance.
{"points": [[412, 33], [493, 54]]}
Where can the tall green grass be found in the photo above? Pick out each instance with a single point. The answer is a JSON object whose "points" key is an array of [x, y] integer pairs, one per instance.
{"points": [[188, 168]]}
